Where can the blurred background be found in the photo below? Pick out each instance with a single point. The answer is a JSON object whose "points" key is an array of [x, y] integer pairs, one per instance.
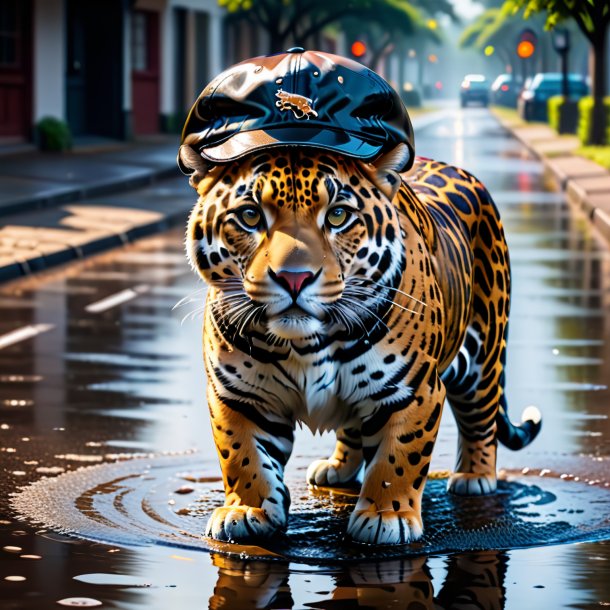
{"points": [[122, 69]]}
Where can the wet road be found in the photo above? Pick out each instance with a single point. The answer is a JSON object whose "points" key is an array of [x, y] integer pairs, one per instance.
{"points": [[96, 367]]}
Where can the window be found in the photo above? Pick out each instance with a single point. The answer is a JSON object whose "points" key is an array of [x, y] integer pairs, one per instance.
{"points": [[9, 34], [139, 41]]}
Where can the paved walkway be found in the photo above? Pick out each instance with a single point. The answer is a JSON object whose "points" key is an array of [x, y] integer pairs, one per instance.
{"points": [[586, 183], [58, 207]]}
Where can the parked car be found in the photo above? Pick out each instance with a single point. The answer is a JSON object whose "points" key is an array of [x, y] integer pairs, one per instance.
{"points": [[532, 102], [474, 88], [504, 90]]}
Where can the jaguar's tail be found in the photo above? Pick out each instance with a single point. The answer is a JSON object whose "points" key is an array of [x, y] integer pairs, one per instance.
{"points": [[517, 436]]}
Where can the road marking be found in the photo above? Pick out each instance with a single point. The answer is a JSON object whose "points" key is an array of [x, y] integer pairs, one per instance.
{"points": [[23, 333], [117, 299]]}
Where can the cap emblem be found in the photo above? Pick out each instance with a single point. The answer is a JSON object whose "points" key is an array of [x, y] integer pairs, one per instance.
{"points": [[299, 104]]}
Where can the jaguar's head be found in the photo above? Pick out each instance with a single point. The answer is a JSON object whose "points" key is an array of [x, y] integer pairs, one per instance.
{"points": [[300, 240]]}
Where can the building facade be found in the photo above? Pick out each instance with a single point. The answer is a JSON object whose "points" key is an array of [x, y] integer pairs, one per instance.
{"points": [[108, 68]]}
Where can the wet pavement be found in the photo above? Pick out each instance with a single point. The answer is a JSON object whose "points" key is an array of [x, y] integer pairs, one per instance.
{"points": [[96, 368]]}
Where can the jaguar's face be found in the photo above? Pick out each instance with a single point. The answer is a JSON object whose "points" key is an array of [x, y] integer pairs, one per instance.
{"points": [[296, 239]]}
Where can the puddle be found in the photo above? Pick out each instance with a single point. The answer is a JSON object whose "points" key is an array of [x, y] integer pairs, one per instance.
{"points": [[142, 502]]}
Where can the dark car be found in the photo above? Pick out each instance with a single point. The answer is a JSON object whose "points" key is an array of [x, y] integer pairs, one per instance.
{"points": [[532, 102], [474, 88], [504, 91]]}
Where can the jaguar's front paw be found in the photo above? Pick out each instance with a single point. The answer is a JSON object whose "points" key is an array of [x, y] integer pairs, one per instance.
{"points": [[385, 526], [237, 523], [330, 473], [471, 484]]}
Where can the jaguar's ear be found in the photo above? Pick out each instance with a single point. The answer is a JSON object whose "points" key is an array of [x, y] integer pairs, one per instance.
{"points": [[192, 164], [384, 170]]}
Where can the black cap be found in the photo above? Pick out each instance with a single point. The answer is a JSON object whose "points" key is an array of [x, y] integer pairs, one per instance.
{"points": [[304, 98]]}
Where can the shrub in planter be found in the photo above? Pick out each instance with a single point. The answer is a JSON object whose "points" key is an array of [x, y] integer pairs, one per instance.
{"points": [[562, 114], [554, 106], [53, 135], [585, 116]]}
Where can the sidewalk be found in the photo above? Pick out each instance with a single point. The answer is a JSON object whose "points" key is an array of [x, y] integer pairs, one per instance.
{"points": [[586, 183], [58, 207]]}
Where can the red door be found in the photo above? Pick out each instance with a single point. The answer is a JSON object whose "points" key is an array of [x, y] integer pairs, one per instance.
{"points": [[145, 71], [15, 68]]}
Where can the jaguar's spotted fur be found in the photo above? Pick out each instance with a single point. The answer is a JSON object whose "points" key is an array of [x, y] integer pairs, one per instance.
{"points": [[349, 298]]}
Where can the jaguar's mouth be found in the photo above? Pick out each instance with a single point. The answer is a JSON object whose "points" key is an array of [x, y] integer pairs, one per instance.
{"points": [[296, 312], [294, 323]]}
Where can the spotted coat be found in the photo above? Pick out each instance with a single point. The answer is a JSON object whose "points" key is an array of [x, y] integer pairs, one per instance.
{"points": [[352, 299]]}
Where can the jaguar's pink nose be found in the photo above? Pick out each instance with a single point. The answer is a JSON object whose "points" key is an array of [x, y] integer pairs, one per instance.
{"points": [[293, 281]]}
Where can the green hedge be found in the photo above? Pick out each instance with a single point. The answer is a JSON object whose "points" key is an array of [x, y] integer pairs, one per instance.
{"points": [[585, 112], [554, 106], [53, 135]]}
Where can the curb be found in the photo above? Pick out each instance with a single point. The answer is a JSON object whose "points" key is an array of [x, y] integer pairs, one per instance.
{"points": [[77, 193], [48, 253], [585, 183]]}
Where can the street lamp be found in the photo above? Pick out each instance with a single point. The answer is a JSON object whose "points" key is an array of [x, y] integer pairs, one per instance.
{"points": [[568, 110], [561, 44]]}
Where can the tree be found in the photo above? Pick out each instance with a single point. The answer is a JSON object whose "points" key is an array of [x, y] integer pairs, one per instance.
{"points": [[385, 25], [500, 28], [592, 18], [297, 21], [292, 21], [492, 27]]}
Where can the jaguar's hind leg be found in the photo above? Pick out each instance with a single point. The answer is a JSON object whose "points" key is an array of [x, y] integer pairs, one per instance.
{"points": [[343, 465], [475, 388], [475, 470]]}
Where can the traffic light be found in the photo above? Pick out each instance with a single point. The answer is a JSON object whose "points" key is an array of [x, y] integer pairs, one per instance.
{"points": [[525, 49], [526, 43], [358, 48]]}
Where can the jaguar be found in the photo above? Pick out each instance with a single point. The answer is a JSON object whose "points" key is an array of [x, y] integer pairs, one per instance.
{"points": [[350, 298]]}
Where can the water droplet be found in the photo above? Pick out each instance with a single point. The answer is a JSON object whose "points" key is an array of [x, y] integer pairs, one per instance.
{"points": [[555, 352], [79, 602], [185, 489]]}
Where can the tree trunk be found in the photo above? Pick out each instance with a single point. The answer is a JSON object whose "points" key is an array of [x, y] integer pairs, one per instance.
{"points": [[599, 123], [276, 41]]}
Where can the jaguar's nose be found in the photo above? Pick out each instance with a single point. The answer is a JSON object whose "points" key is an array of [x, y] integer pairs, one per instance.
{"points": [[293, 281]]}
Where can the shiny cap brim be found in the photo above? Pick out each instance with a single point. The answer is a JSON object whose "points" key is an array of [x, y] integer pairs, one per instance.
{"points": [[246, 142]]}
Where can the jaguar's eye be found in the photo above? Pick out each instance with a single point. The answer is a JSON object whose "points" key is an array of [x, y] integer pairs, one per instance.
{"points": [[337, 217], [250, 217]]}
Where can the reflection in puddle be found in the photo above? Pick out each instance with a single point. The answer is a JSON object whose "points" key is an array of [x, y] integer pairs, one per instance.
{"points": [[146, 501]]}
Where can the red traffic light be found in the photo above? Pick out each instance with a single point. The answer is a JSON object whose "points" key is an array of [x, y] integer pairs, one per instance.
{"points": [[358, 48], [525, 49], [526, 43]]}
